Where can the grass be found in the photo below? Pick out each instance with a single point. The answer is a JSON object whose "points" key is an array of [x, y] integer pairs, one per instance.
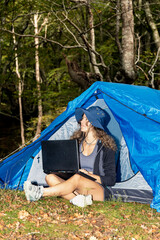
{"points": [[56, 218]]}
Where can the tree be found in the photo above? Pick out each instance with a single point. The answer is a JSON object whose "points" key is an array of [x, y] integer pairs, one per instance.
{"points": [[147, 38], [81, 38], [128, 51], [127, 45], [35, 21], [99, 40], [152, 24], [20, 89]]}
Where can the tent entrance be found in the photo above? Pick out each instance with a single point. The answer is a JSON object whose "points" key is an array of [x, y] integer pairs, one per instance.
{"points": [[124, 170]]}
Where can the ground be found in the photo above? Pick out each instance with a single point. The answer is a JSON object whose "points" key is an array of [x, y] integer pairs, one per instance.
{"points": [[56, 218]]}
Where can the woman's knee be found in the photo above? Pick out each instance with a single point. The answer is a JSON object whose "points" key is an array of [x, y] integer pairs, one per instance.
{"points": [[51, 179], [75, 179], [47, 177]]}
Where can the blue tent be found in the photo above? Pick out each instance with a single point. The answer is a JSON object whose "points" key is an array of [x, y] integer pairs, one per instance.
{"points": [[135, 114]]}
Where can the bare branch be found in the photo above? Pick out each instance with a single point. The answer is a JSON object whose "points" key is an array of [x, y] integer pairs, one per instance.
{"points": [[40, 37], [87, 44], [66, 17], [147, 64], [79, 1], [151, 71], [26, 15], [43, 24], [139, 48], [39, 17], [156, 59], [100, 23], [143, 72]]}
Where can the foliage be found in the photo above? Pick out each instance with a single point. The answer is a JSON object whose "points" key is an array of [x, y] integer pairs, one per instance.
{"points": [[54, 102], [63, 25], [55, 218]]}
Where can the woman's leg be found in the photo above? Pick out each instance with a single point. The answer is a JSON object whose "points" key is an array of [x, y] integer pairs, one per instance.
{"points": [[52, 180], [76, 183]]}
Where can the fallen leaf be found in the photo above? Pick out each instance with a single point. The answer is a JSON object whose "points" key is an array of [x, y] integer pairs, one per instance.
{"points": [[17, 226], [154, 227], [98, 234], [127, 216], [55, 222], [10, 225], [78, 215], [1, 227], [23, 214], [137, 237], [2, 214], [93, 238], [93, 221], [143, 226]]}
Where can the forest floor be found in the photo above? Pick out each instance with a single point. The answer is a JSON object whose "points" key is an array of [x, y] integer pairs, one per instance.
{"points": [[56, 218]]}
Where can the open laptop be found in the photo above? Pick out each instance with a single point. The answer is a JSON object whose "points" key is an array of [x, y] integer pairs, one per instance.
{"points": [[61, 157]]}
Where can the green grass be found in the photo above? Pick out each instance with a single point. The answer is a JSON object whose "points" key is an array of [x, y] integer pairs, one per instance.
{"points": [[56, 218]]}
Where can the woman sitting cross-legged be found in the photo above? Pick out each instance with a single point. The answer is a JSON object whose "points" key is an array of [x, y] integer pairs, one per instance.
{"points": [[97, 158]]}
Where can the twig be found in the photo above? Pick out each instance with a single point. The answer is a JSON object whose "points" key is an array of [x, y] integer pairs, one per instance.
{"points": [[156, 59], [143, 71], [139, 48], [151, 71], [66, 17], [32, 233], [43, 38], [16, 150]]}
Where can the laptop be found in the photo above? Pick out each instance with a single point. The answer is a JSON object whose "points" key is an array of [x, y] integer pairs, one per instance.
{"points": [[61, 157]]}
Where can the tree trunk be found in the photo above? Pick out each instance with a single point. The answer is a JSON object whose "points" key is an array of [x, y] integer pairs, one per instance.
{"points": [[139, 5], [152, 25], [20, 90], [82, 78], [38, 79], [118, 17], [128, 53], [92, 36]]}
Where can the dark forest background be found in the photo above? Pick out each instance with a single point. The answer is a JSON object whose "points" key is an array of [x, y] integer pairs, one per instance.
{"points": [[51, 51]]}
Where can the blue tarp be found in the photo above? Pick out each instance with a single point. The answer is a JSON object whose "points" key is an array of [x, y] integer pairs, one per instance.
{"points": [[137, 111]]}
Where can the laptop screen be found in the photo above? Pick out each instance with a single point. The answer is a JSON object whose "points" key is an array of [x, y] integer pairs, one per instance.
{"points": [[60, 156]]}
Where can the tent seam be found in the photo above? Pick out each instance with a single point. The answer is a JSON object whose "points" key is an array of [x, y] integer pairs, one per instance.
{"points": [[144, 115]]}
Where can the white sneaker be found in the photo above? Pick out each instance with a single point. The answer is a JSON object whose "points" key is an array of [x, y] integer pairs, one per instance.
{"points": [[32, 192], [81, 200], [89, 200]]}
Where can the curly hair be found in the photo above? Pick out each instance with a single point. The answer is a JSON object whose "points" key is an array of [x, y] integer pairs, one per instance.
{"points": [[79, 135], [106, 139]]}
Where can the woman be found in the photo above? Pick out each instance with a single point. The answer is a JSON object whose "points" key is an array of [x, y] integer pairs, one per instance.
{"points": [[97, 158]]}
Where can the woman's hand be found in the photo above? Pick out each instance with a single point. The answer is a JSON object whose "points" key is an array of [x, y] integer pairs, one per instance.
{"points": [[91, 174], [84, 171]]}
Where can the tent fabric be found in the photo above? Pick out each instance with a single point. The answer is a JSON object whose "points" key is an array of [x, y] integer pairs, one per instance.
{"points": [[136, 109]]}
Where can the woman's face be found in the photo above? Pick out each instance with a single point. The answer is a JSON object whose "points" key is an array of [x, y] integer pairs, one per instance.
{"points": [[85, 124]]}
